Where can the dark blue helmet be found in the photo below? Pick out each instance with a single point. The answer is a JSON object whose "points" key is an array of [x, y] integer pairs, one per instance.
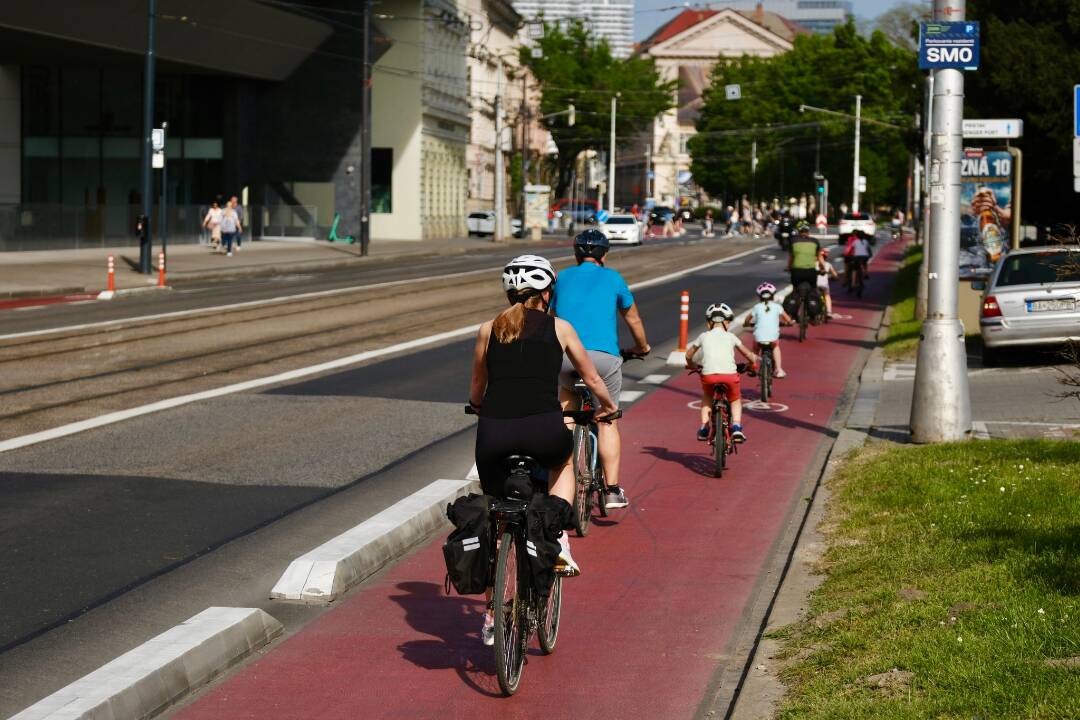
{"points": [[591, 243]]}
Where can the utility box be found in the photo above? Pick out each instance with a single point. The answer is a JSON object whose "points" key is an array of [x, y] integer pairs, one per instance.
{"points": [[537, 204]]}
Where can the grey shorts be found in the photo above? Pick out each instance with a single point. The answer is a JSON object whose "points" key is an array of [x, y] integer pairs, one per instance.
{"points": [[608, 366]]}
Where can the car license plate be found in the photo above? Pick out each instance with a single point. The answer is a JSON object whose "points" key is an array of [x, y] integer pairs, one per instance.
{"points": [[1051, 305]]}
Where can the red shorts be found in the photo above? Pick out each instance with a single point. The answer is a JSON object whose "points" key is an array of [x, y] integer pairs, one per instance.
{"points": [[729, 381]]}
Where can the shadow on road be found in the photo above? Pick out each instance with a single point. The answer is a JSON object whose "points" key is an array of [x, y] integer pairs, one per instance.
{"points": [[698, 463]]}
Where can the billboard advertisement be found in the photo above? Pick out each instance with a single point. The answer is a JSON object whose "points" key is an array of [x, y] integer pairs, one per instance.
{"points": [[986, 202]]}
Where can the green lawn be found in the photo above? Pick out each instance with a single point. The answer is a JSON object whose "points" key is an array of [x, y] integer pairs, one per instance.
{"points": [[959, 567], [903, 337]]}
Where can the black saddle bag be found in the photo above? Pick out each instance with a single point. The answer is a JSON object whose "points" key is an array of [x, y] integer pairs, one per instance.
{"points": [[544, 521], [467, 551]]}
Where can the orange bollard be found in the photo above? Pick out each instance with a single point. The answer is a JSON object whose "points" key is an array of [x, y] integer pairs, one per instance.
{"points": [[112, 274], [684, 320], [161, 270]]}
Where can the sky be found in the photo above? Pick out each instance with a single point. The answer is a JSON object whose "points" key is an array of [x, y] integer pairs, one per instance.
{"points": [[647, 17]]}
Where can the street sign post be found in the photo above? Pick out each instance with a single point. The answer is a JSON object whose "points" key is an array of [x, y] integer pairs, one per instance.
{"points": [[1076, 110], [949, 45], [1008, 129]]}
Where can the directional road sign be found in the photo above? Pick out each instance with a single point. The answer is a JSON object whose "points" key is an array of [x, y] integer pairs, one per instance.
{"points": [[602, 215], [1009, 128], [1076, 110], [949, 45]]}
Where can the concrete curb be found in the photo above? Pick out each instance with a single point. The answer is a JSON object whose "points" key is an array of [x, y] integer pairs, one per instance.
{"points": [[43, 292], [144, 680], [323, 574]]}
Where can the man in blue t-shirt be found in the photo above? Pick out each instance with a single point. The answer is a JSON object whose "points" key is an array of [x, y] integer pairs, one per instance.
{"points": [[591, 297]]}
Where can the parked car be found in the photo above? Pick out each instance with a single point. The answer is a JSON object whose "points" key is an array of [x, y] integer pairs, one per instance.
{"points": [[580, 210], [483, 223], [852, 221], [1033, 298], [622, 230]]}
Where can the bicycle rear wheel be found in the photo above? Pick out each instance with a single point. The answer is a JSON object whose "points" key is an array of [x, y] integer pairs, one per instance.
{"points": [[582, 480], [550, 614], [510, 626], [766, 375], [719, 439], [804, 317]]}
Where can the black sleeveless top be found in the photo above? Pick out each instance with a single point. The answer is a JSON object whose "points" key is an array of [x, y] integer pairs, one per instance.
{"points": [[523, 375]]}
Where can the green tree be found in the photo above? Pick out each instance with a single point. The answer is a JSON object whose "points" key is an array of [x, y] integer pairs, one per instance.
{"points": [[578, 69], [822, 71], [901, 23], [1030, 59]]}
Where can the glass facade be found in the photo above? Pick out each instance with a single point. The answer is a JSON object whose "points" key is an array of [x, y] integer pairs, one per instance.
{"points": [[81, 149]]}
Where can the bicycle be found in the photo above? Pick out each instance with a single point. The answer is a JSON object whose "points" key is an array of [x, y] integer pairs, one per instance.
{"points": [[720, 424], [517, 607], [589, 478], [765, 370], [858, 276]]}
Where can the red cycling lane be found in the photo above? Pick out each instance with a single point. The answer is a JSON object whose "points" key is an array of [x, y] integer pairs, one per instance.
{"points": [[665, 583]]}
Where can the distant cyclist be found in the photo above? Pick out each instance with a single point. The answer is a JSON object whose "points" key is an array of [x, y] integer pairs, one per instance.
{"points": [[591, 297], [856, 256], [515, 378], [717, 346], [766, 318], [803, 256]]}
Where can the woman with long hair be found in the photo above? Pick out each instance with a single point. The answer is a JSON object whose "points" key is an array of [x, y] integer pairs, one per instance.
{"points": [[515, 390]]}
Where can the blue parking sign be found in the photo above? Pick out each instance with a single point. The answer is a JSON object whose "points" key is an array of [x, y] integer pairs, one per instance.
{"points": [[949, 45], [602, 216], [1076, 110]]}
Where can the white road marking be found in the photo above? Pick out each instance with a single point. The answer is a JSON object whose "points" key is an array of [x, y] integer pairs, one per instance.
{"points": [[629, 396], [30, 307], [898, 371], [759, 406], [655, 379]]}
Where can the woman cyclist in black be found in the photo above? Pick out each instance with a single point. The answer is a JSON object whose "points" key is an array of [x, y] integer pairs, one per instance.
{"points": [[515, 388]]}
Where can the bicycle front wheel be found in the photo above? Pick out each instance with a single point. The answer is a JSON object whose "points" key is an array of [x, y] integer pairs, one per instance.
{"points": [[510, 626], [550, 614], [582, 480], [600, 486]]}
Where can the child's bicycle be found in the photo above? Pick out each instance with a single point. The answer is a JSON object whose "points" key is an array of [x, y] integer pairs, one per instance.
{"points": [[720, 424]]}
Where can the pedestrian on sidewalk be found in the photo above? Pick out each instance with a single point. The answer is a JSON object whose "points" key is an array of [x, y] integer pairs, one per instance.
{"points": [[234, 203], [230, 227], [212, 222]]}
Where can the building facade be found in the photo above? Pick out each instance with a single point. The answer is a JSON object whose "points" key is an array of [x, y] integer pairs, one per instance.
{"points": [[612, 20], [262, 101], [686, 49]]}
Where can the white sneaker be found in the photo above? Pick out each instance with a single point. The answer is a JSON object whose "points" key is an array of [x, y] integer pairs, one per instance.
{"points": [[565, 565], [487, 631], [780, 374], [228, 254]]}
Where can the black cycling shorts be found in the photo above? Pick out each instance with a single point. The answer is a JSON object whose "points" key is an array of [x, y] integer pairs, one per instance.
{"points": [[543, 437], [803, 276]]}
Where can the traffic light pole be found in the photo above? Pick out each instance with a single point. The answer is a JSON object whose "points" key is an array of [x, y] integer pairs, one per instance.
{"points": [[146, 240], [941, 403]]}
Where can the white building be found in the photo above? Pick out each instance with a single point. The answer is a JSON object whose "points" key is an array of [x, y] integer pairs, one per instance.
{"points": [[612, 20], [821, 16], [686, 49]]}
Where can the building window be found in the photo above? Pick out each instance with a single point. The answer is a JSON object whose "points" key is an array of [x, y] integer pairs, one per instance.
{"points": [[683, 147], [382, 171]]}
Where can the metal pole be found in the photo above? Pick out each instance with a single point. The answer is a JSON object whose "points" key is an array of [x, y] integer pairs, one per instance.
{"points": [[365, 132], [146, 244], [611, 160], [858, 130], [648, 169], [164, 190], [924, 234], [753, 172], [524, 151], [941, 404], [500, 171]]}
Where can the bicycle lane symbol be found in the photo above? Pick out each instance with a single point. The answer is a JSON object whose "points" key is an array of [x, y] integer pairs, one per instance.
{"points": [[751, 405]]}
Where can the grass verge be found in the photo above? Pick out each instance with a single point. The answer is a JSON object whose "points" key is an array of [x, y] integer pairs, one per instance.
{"points": [[903, 337], [952, 589]]}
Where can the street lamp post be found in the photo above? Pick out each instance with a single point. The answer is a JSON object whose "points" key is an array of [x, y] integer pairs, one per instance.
{"points": [[941, 403], [611, 160], [858, 133], [365, 132], [146, 241]]}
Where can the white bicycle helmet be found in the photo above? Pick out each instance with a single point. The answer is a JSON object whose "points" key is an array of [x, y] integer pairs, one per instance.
{"points": [[721, 311], [528, 272], [766, 288]]}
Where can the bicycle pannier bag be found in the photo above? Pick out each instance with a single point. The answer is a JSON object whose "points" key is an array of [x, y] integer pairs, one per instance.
{"points": [[545, 519], [467, 551], [791, 304]]}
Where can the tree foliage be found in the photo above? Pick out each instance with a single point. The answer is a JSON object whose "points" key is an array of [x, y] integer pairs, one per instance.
{"points": [[822, 71], [577, 68], [901, 23], [1030, 59]]}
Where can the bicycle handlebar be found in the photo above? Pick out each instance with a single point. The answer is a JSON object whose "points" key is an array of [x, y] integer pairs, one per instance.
{"points": [[580, 417]]}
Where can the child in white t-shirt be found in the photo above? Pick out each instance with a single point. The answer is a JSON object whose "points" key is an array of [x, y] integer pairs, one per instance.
{"points": [[717, 348], [825, 272]]}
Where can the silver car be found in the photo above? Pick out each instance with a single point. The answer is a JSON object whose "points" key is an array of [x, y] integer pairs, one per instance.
{"points": [[1032, 298]]}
